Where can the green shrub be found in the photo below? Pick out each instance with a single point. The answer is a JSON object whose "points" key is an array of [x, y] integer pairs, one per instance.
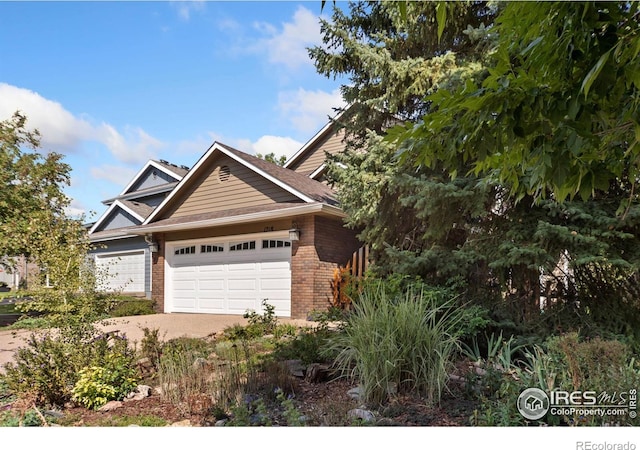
{"points": [[132, 307], [113, 381], [151, 345], [14, 419], [49, 366], [309, 346], [564, 362], [404, 343], [266, 322]]}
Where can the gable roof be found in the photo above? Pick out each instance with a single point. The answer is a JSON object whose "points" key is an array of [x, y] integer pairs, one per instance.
{"points": [[306, 189], [139, 211], [176, 172]]}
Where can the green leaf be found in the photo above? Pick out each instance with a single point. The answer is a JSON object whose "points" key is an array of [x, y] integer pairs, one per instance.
{"points": [[594, 72], [441, 18], [531, 46], [402, 6]]}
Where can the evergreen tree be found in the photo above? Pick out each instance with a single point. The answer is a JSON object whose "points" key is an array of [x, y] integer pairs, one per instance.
{"points": [[516, 175]]}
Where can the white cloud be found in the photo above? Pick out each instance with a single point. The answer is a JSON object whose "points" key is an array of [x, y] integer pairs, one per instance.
{"points": [[288, 46], [280, 145], [64, 132], [118, 175], [137, 147], [186, 7], [308, 111], [77, 211], [276, 144], [60, 130]]}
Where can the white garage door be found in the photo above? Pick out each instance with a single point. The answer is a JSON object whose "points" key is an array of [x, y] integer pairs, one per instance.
{"points": [[229, 277], [121, 272]]}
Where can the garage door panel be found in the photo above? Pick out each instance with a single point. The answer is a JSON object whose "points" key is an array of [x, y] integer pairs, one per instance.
{"points": [[273, 284], [211, 305], [241, 267], [214, 268], [207, 285], [242, 284]]}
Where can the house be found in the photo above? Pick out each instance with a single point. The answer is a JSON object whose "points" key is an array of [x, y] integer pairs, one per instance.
{"points": [[238, 230], [227, 235], [16, 271], [124, 259]]}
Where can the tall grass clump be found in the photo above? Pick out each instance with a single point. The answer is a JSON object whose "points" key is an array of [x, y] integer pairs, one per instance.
{"points": [[398, 342]]}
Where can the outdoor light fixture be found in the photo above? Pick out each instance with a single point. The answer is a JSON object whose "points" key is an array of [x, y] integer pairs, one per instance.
{"points": [[294, 232], [153, 245]]}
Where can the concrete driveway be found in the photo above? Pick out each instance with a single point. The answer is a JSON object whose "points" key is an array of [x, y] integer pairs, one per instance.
{"points": [[170, 326]]}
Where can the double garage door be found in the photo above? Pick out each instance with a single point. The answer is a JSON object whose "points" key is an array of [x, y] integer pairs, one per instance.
{"points": [[228, 277]]}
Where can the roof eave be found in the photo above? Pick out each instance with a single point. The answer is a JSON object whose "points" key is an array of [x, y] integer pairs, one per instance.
{"points": [[309, 208]]}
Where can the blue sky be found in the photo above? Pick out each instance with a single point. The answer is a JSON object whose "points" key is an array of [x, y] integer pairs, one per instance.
{"points": [[113, 84]]}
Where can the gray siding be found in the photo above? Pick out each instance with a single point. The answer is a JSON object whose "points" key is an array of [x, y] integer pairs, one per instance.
{"points": [[118, 219], [152, 200], [127, 245], [152, 177]]}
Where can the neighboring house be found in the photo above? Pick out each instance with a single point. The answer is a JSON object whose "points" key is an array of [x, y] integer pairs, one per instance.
{"points": [[238, 230], [124, 259], [16, 271]]}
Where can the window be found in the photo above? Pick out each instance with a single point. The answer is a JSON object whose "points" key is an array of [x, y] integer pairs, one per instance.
{"points": [[186, 250], [249, 245], [275, 244], [211, 249]]}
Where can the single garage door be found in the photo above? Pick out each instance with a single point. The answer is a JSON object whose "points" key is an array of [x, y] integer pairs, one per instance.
{"points": [[229, 277], [121, 271]]}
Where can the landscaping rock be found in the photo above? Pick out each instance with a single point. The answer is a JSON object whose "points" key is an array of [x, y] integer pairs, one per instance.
{"points": [[221, 423], [355, 393], [296, 368], [53, 413], [362, 414], [110, 406], [317, 373], [182, 423], [140, 392]]}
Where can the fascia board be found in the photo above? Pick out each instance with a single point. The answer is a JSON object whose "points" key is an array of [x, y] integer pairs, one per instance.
{"points": [[149, 163], [243, 218]]}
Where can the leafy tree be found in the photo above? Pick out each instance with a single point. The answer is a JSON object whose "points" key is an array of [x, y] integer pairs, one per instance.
{"points": [[33, 222], [272, 158], [556, 112], [30, 183]]}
